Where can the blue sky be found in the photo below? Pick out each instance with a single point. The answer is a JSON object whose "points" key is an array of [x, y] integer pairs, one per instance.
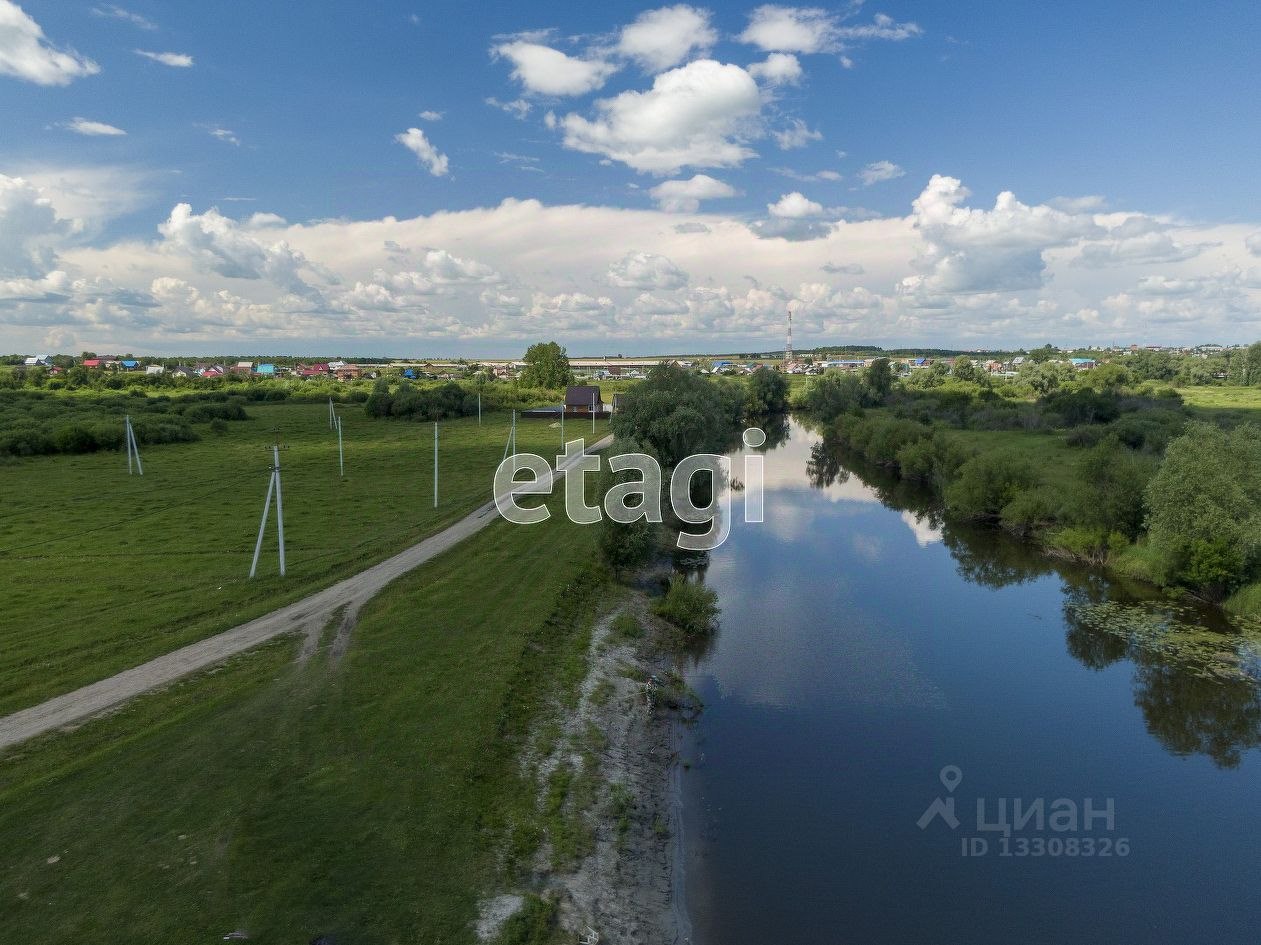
{"points": [[851, 168]]}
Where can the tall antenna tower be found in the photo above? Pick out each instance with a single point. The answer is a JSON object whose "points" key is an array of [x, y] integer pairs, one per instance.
{"points": [[788, 349]]}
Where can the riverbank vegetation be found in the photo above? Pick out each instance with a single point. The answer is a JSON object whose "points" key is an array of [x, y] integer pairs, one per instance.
{"points": [[1098, 467]]}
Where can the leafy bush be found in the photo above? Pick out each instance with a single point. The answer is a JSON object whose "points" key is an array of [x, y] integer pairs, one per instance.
{"points": [[987, 483], [689, 606], [1029, 511], [832, 395], [1091, 543], [421, 404], [768, 392], [205, 412], [1083, 406], [1204, 508], [1084, 437]]}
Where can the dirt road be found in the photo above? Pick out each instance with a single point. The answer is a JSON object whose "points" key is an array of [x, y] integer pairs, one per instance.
{"points": [[309, 615]]}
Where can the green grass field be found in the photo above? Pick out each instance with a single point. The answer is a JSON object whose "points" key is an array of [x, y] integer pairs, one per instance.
{"points": [[1045, 451], [1217, 399], [103, 571], [372, 800]]}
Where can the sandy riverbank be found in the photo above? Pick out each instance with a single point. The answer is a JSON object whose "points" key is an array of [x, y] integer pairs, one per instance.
{"points": [[629, 887]]}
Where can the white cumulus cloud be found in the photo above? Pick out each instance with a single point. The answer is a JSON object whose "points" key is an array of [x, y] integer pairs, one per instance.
{"points": [[812, 30], [646, 271], [660, 39], [26, 54], [29, 229], [791, 29], [430, 157], [685, 196], [700, 114], [220, 245], [971, 250], [546, 71], [794, 206], [777, 69]]}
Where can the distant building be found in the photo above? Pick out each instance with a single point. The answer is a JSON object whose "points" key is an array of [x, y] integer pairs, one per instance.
{"points": [[266, 370], [583, 399], [129, 364], [348, 372], [243, 367], [155, 369], [92, 363]]}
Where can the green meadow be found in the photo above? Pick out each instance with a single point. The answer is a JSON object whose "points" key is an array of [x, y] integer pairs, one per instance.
{"points": [[103, 570], [370, 799], [1210, 400]]}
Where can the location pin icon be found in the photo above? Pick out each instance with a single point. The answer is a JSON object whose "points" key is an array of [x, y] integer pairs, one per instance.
{"points": [[951, 777]]}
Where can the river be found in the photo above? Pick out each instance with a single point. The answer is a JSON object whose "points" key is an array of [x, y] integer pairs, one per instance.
{"points": [[877, 675]]}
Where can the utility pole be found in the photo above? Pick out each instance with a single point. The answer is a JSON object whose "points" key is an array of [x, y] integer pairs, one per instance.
{"points": [[341, 455], [133, 449], [593, 415], [435, 465], [562, 426], [332, 417], [479, 410], [273, 485], [788, 350]]}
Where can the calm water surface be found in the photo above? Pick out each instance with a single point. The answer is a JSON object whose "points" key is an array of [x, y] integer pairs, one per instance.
{"points": [[863, 649]]}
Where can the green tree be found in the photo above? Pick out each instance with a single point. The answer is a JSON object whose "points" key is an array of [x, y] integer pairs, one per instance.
{"points": [[832, 395], [768, 392], [879, 379], [1111, 481], [964, 369], [674, 413], [1204, 507], [1250, 365], [546, 365], [624, 545]]}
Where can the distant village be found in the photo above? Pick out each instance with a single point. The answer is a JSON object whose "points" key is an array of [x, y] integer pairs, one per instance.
{"points": [[997, 364]]}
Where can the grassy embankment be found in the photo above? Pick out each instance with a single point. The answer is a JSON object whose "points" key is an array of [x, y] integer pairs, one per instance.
{"points": [[104, 571], [372, 800]]}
